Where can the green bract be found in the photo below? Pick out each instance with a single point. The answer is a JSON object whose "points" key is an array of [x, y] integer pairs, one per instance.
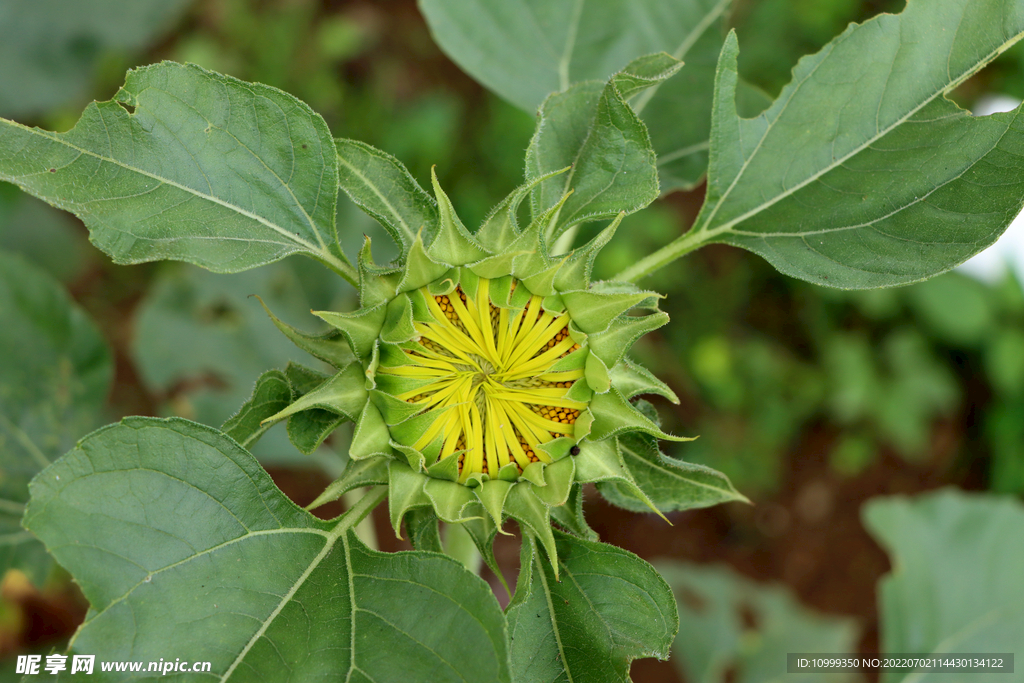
{"points": [[487, 375]]}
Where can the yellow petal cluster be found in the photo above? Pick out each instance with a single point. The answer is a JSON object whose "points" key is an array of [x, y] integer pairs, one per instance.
{"points": [[487, 373]]}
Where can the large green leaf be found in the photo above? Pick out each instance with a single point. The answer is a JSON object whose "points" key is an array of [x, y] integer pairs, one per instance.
{"points": [[526, 49], [190, 165], [55, 371], [183, 544], [608, 608], [50, 48], [669, 483], [956, 580], [733, 629], [862, 173]]}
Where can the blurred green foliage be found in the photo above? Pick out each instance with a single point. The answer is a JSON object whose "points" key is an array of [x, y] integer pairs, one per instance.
{"points": [[775, 34], [733, 629], [52, 51]]}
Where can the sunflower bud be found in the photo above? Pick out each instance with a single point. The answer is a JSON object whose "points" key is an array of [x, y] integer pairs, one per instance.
{"points": [[488, 375]]}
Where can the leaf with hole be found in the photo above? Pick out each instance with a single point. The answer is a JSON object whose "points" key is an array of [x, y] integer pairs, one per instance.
{"points": [[189, 165]]}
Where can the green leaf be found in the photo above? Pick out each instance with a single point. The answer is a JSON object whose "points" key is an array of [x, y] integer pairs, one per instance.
{"points": [[452, 244], [648, 71], [525, 50], [612, 344], [382, 187], [186, 164], [717, 642], [591, 128], [330, 346], [483, 531], [51, 49], [956, 582], [308, 429], [56, 371], [632, 379], [342, 393], [882, 180], [271, 395], [609, 608], [678, 114], [669, 483], [361, 327], [206, 555]]}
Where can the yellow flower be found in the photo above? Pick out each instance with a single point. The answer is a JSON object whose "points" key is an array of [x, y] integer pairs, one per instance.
{"points": [[486, 378]]}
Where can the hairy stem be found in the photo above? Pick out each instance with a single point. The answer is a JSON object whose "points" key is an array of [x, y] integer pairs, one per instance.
{"points": [[459, 545], [360, 504], [677, 248]]}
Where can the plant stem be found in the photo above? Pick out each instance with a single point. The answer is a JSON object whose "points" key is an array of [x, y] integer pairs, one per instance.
{"points": [[356, 515], [677, 248], [459, 545]]}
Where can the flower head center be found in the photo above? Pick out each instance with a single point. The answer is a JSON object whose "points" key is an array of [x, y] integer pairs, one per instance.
{"points": [[489, 376]]}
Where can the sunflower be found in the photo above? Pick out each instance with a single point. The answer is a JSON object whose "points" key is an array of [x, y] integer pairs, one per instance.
{"points": [[486, 376]]}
